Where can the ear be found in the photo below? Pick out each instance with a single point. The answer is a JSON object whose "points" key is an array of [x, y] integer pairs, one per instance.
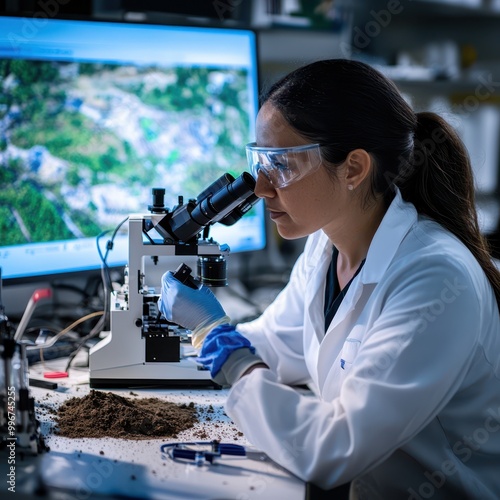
{"points": [[358, 166]]}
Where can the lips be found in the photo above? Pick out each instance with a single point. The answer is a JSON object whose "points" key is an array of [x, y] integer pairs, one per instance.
{"points": [[274, 214]]}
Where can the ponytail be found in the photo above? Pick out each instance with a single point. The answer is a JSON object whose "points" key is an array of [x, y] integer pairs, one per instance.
{"points": [[344, 105], [440, 183]]}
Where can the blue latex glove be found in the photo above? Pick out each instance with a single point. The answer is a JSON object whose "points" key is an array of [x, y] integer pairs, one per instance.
{"points": [[194, 309], [227, 354]]}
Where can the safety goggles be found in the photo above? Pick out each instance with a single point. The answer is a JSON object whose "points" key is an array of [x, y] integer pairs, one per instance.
{"points": [[283, 166]]}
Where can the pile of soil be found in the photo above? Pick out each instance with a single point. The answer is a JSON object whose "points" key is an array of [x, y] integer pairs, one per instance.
{"points": [[102, 414]]}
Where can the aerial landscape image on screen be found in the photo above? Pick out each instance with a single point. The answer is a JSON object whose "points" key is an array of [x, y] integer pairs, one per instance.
{"points": [[83, 144]]}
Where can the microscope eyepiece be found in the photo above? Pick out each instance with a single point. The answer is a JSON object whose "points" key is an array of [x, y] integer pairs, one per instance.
{"points": [[216, 206], [158, 206], [213, 205]]}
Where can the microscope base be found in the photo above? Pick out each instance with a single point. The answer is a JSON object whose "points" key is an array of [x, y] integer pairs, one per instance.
{"points": [[166, 375], [110, 383], [118, 362]]}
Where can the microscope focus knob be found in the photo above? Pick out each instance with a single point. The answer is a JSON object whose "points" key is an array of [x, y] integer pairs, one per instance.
{"points": [[138, 322]]}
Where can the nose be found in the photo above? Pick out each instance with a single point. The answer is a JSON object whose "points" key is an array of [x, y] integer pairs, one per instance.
{"points": [[263, 188]]}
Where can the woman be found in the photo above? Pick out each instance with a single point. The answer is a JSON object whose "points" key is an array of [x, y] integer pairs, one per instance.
{"points": [[391, 314]]}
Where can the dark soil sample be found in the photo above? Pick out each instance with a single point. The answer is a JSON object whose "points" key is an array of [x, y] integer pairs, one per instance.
{"points": [[103, 414]]}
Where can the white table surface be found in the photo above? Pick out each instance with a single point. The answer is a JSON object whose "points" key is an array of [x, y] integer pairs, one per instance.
{"points": [[88, 467]]}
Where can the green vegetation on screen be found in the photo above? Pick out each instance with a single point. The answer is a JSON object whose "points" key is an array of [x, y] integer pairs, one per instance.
{"points": [[68, 131]]}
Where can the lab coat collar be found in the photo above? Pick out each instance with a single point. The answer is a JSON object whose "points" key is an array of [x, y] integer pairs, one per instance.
{"points": [[397, 221]]}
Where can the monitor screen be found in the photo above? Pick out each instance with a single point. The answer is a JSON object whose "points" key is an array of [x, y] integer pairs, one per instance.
{"points": [[94, 114]]}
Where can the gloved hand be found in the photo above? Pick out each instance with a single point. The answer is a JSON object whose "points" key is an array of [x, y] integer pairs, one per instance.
{"points": [[195, 309], [227, 354]]}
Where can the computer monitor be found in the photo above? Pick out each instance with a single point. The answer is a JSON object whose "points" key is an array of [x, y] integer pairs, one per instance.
{"points": [[95, 114]]}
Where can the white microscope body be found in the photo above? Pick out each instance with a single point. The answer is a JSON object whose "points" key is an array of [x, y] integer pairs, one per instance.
{"points": [[142, 347]]}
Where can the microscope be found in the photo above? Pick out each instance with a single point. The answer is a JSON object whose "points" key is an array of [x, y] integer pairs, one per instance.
{"points": [[142, 348]]}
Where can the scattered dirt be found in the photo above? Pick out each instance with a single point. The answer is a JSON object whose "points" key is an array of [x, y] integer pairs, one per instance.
{"points": [[103, 414]]}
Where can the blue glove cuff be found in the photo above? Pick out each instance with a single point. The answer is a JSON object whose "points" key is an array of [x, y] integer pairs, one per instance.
{"points": [[218, 346]]}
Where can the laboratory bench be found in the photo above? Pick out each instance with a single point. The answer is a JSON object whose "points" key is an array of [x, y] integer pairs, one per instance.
{"points": [[85, 468]]}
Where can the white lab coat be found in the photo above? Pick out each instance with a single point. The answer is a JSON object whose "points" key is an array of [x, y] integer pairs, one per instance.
{"points": [[407, 377]]}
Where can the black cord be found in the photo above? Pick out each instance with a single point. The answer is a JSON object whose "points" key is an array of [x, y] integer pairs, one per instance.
{"points": [[105, 273], [107, 287], [72, 356], [109, 247]]}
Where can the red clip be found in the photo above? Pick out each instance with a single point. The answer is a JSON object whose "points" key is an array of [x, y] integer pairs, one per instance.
{"points": [[55, 374]]}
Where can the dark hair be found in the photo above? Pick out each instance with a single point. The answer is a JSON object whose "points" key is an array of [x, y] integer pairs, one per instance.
{"points": [[345, 105]]}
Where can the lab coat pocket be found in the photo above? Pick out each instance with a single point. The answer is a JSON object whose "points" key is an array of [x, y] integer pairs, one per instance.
{"points": [[349, 353]]}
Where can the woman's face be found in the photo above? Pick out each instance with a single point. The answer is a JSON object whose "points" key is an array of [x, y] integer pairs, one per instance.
{"points": [[303, 207]]}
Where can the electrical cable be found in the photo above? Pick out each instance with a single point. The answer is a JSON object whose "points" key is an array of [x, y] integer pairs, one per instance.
{"points": [[109, 246], [54, 339], [95, 331], [107, 288], [105, 274]]}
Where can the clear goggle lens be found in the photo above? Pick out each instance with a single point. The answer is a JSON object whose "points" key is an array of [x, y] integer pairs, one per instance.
{"points": [[283, 166]]}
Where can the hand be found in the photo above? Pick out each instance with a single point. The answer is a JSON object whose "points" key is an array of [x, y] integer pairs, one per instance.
{"points": [[195, 309], [228, 355]]}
